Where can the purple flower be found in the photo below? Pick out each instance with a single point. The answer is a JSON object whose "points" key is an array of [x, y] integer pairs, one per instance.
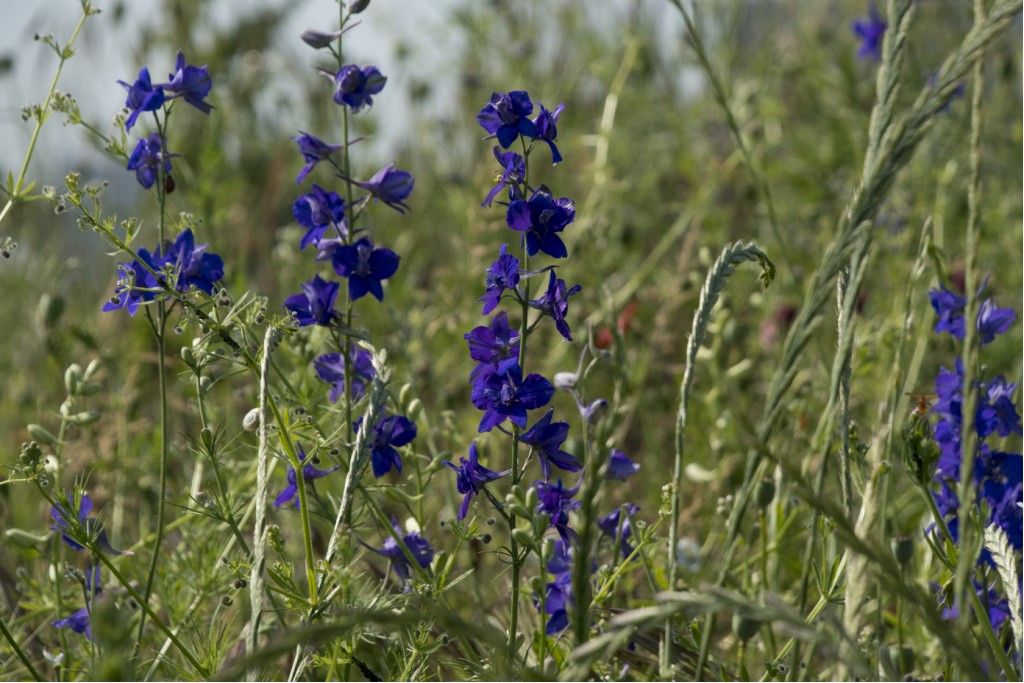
{"points": [[190, 82], [313, 150], [870, 31], [490, 345], [392, 186], [993, 320], [418, 546], [542, 217], [63, 515], [193, 266], [142, 96], [557, 599], [949, 308], [315, 304], [310, 473], [547, 130], [513, 172], [501, 275], [507, 116], [356, 85], [505, 394], [998, 607], [620, 466], [555, 303], [146, 158], [134, 284], [391, 432], [609, 525], [330, 367], [365, 267], [77, 621], [470, 477], [557, 502], [318, 210], [547, 439]]}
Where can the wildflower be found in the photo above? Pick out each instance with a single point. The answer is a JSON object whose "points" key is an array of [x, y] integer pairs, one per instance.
{"points": [[557, 502], [78, 621], [620, 466], [315, 304], [63, 517], [506, 117], [136, 285], [391, 432], [356, 85], [555, 303], [194, 267], [547, 439], [547, 130], [998, 607], [313, 150], [146, 159], [490, 345], [418, 546], [471, 477], [558, 592], [870, 31], [949, 308], [191, 82], [993, 320], [318, 210], [142, 96], [609, 525], [541, 218], [501, 275], [390, 185], [513, 173], [365, 267], [505, 394], [310, 473], [330, 367]]}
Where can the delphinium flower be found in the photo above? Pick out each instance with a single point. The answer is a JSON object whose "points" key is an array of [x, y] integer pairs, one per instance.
{"points": [[315, 304], [540, 218], [505, 394], [313, 150], [79, 621], [192, 83], [365, 266], [192, 264], [318, 211], [388, 434], [507, 116], [490, 345], [546, 124], [949, 307], [546, 439], [512, 174], [136, 285], [502, 275], [146, 159], [143, 96], [556, 501], [998, 607], [554, 303], [418, 546], [390, 185], [558, 591], [330, 367], [310, 473], [471, 477], [64, 517], [620, 466], [355, 85], [609, 525], [870, 31]]}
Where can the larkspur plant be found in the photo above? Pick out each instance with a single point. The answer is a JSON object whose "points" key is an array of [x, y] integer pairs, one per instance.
{"points": [[375, 472]]}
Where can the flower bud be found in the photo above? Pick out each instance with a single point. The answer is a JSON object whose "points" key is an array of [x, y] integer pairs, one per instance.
{"points": [[188, 355], [565, 380], [251, 421], [91, 368], [86, 417], [71, 378], [41, 435], [522, 536], [358, 6], [318, 40]]}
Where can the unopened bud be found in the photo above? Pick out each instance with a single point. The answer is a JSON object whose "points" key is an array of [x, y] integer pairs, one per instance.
{"points": [[565, 380]]}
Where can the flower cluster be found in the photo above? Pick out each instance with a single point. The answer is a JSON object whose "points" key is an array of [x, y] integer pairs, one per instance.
{"points": [[870, 31]]}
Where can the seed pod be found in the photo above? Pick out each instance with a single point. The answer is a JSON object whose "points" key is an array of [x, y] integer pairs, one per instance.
{"points": [[71, 378], [522, 536], [86, 417], [41, 435], [91, 368], [188, 355], [565, 380], [169, 184], [358, 6]]}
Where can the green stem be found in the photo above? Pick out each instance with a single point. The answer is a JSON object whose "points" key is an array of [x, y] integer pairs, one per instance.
{"points": [[18, 651]]}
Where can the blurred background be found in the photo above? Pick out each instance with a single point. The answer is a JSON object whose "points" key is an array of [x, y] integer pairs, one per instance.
{"points": [[657, 180]]}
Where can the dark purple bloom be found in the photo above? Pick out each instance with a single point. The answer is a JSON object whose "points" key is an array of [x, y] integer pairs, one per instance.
{"points": [[142, 96], [330, 367], [313, 150], [1000, 413], [418, 546], [620, 466], [557, 599], [365, 267], [391, 432], [546, 438], [310, 473], [392, 186], [501, 275], [555, 303], [190, 82], [949, 307], [513, 172], [356, 85], [62, 519], [134, 284], [146, 159], [318, 210], [315, 304], [993, 320], [998, 607], [609, 525], [470, 477], [77, 621], [507, 116], [193, 266], [505, 394], [541, 218], [490, 345], [870, 31], [547, 129], [557, 502]]}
